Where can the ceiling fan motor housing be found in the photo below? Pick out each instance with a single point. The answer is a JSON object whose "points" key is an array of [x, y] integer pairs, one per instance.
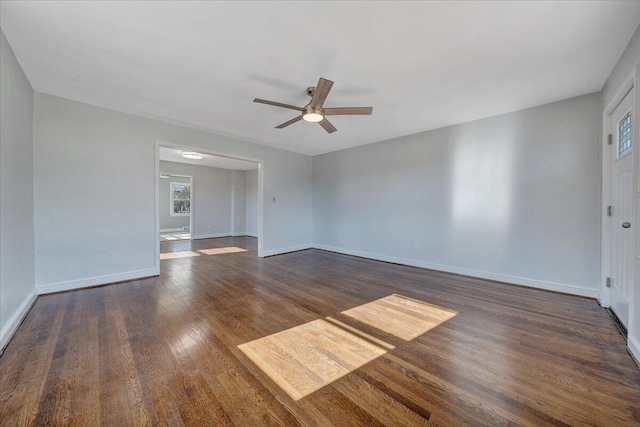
{"points": [[308, 109]]}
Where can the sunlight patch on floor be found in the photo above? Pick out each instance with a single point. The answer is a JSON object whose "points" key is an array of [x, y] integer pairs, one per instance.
{"points": [[219, 251], [306, 358], [364, 335], [173, 255], [403, 317]]}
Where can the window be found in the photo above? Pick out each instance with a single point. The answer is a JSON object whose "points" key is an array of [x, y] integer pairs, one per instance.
{"points": [[180, 199], [624, 135]]}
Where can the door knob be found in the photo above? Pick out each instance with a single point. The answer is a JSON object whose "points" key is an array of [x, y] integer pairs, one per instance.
{"points": [[626, 225]]}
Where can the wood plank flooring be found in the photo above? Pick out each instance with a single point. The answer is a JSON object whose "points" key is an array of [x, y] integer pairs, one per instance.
{"points": [[314, 338]]}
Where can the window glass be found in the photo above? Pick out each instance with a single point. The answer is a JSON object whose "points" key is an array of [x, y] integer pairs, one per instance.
{"points": [[624, 135]]}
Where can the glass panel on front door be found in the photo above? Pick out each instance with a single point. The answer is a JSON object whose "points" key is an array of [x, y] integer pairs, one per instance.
{"points": [[624, 135]]}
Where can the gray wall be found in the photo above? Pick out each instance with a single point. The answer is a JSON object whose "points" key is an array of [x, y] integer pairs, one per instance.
{"points": [[239, 201], [514, 197], [77, 148], [629, 59], [164, 199], [17, 284], [252, 203]]}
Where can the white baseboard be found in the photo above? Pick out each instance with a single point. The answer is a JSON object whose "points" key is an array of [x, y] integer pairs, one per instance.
{"points": [[216, 235], [532, 283], [279, 251], [95, 281], [244, 234], [170, 230], [634, 347], [15, 320], [210, 236]]}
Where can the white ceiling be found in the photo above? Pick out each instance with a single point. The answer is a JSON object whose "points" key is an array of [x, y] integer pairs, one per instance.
{"points": [[174, 155], [421, 65]]}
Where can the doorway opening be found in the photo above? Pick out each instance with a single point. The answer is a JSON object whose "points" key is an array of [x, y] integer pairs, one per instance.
{"points": [[621, 213], [203, 195], [620, 205], [175, 206]]}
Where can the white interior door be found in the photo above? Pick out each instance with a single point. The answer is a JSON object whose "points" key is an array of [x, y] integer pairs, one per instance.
{"points": [[622, 215]]}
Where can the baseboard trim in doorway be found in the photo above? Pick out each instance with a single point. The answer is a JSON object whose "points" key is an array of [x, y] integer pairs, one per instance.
{"points": [[210, 236], [95, 281], [216, 235], [521, 281], [279, 251], [16, 320]]}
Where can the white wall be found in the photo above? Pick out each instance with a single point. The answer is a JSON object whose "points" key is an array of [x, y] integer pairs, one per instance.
{"points": [[513, 197], [168, 222], [213, 197], [77, 147], [629, 60], [17, 290], [251, 205], [239, 202]]}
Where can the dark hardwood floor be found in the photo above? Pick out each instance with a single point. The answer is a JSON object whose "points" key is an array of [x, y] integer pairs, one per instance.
{"points": [[314, 338]]}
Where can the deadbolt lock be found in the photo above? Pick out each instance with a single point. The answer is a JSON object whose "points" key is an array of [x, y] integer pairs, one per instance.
{"points": [[626, 225]]}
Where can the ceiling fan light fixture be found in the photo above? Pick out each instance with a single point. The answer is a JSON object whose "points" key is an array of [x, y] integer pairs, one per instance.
{"points": [[314, 112], [192, 155], [312, 117]]}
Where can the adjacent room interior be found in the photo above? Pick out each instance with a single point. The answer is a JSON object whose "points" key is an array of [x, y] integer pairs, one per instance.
{"points": [[320, 213], [175, 207], [202, 195]]}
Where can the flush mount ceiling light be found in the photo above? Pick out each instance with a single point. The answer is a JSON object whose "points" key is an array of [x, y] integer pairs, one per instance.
{"points": [[192, 155], [312, 116]]}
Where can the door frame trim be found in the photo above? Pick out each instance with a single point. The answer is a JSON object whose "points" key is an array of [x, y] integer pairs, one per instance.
{"points": [[260, 163], [607, 160]]}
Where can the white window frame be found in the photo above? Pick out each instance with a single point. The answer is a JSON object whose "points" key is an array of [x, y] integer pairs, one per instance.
{"points": [[171, 199]]}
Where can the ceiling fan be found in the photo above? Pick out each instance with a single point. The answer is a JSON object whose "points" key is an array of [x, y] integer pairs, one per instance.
{"points": [[313, 111]]}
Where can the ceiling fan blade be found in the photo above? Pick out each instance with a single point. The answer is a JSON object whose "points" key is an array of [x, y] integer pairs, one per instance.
{"points": [[326, 124], [290, 122], [350, 111], [278, 104], [321, 92]]}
